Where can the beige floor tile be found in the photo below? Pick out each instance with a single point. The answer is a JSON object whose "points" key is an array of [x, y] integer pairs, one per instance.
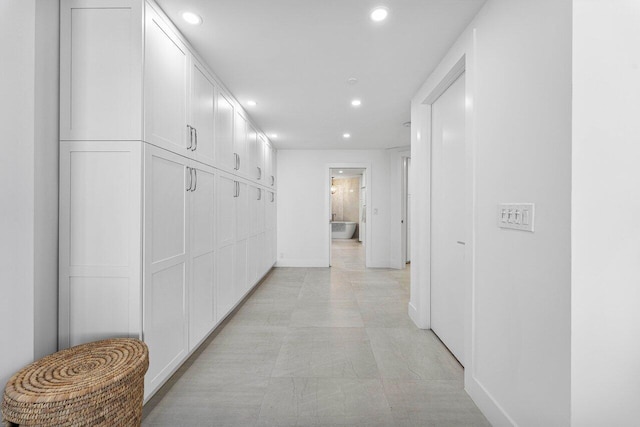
{"points": [[321, 347]]}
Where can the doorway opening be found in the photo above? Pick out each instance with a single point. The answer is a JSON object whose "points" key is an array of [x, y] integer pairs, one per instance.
{"points": [[348, 217]]}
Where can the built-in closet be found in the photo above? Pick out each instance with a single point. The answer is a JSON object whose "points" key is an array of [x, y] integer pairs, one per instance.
{"points": [[167, 189]]}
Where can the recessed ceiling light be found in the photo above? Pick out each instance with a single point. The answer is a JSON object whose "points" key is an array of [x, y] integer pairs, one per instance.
{"points": [[192, 18], [340, 171], [251, 103], [352, 80], [273, 135], [379, 14], [356, 103], [346, 135]]}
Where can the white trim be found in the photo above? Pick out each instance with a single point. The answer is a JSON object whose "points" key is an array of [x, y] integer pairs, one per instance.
{"points": [[327, 190], [487, 404]]}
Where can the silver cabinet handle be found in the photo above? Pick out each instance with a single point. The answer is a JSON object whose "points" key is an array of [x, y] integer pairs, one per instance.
{"points": [[190, 137], [259, 194], [237, 189], [273, 180], [259, 173], [195, 147], [237, 157], [195, 183], [188, 170], [273, 197]]}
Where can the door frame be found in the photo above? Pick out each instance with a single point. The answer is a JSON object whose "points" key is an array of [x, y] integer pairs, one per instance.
{"points": [[452, 67], [327, 225]]}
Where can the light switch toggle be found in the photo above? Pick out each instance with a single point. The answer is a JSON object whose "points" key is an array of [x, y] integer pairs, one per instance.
{"points": [[516, 216]]}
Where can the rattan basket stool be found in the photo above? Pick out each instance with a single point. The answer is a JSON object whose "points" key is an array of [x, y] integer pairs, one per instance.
{"points": [[98, 384]]}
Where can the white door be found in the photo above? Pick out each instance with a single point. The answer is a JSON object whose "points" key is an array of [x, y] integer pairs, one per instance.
{"points": [[166, 225], [165, 86], [447, 218], [202, 114], [202, 251], [408, 213], [240, 146], [225, 297], [259, 153], [226, 159]]}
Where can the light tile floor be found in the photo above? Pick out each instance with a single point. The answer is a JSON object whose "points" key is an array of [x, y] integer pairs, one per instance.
{"points": [[320, 347]]}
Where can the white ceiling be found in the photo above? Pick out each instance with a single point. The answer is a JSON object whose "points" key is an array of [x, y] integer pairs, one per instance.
{"points": [[293, 57]]}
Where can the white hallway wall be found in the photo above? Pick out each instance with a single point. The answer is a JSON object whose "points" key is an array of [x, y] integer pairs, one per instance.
{"points": [[28, 182], [605, 353], [519, 89], [303, 238]]}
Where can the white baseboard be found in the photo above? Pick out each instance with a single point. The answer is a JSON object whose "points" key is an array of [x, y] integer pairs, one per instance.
{"points": [[491, 409], [413, 314], [296, 262]]}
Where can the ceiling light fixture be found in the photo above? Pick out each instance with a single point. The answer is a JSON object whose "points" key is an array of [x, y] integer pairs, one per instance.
{"points": [[340, 171], [379, 14], [192, 18], [356, 103], [273, 135], [346, 135], [251, 103], [352, 80]]}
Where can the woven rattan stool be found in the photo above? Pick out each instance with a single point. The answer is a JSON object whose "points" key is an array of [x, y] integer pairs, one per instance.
{"points": [[98, 384]]}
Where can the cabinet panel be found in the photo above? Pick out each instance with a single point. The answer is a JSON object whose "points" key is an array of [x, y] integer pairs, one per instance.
{"points": [[202, 113], [226, 210], [225, 296], [99, 308], [202, 250], [270, 211], [242, 211], [100, 246], [240, 269], [166, 234], [240, 145], [100, 47], [259, 159], [166, 201], [165, 86], [225, 158], [252, 260], [165, 323], [260, 214]]}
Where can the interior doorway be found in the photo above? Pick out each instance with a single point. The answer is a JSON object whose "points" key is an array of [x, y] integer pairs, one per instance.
{"points": [[406, 210], [348, 231], [448, 176]]}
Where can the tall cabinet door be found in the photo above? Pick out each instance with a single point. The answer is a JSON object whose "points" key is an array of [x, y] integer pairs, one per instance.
{"points": [[165, 86], [240, 145], [166, 255], [225, 296], [202, 250], [202, 114], [225, 157]]}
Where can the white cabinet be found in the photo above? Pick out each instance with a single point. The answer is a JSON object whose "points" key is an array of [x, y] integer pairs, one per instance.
{"points": [[240, 145], [270, 165], [226, 158], [102, 49], [166, 229], [202, 253], [202, 109], [165, 86], [100, 217], [165, 222]]}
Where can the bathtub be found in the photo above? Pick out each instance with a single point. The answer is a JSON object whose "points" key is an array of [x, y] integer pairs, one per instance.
{"points": [[342, 229]]}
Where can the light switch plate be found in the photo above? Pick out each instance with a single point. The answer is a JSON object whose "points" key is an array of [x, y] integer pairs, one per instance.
{"points": [[516, 216]]}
